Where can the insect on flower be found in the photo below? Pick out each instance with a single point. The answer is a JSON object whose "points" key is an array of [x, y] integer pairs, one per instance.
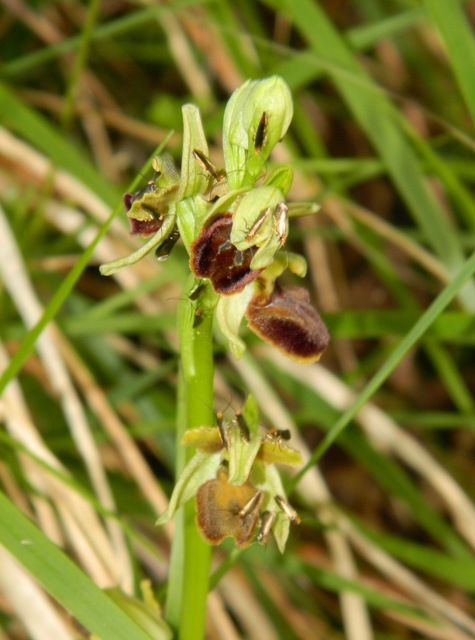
{"points": [[287, 509], [265, 526], [257, 224], [197, 291], [251, 506], [164, 250], [243, 427], [261, 132], [223, 430], [277, 435], [206, 164], [281, 214]]}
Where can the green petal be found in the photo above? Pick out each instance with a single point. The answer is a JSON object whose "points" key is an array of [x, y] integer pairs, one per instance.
{"points": [[241, 455], [193, 180]]}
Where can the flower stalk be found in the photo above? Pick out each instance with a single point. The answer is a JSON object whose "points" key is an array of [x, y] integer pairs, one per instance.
{"points": [[191, 556]]}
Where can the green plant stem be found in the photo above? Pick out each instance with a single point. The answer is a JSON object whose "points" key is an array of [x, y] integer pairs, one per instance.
{"points": [[191, 557]]}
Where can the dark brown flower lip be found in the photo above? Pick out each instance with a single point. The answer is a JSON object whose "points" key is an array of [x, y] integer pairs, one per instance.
{"points": [[287, 320], [214, 256], [224, 510], [145, 228]]}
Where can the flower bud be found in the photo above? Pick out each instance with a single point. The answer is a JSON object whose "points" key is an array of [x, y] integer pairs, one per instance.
{"points": [[257, 116]]}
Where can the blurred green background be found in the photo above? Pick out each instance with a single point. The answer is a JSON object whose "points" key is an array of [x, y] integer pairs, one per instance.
{"points": [[383, 138]]}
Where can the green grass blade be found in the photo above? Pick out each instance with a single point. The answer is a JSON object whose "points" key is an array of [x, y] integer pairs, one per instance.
{"points": [[15, 115], [60, 296], [379, 120], [110, 29], [452, 327], [425, 321], [457, 34], [62, 578]]}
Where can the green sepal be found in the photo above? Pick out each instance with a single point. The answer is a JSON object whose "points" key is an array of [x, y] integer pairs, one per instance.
{"points": [[251, 414], [109, 268], [297, 209], [242, 117], [190, 215], [241, 454], [235, 137], [205, 439], [168, 174], [278, 453], [200, 468], [193, 181], [272, 96]]}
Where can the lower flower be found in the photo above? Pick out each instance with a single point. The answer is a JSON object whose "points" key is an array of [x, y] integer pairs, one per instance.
{"points": [[286, 319]]}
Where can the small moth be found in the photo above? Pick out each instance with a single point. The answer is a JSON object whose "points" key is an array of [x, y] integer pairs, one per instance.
{"points": [[251, 506], [257, 224], [265, 526], [281, 214], [206, 164], [286, 508]]}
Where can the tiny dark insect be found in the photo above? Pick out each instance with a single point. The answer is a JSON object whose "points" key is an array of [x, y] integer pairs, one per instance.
{"points": [[206, 164], [286, 508], [223, 430], [164, 250], [198, 317], [277, 435], [197, 291], [261, 132], [243, 427]]}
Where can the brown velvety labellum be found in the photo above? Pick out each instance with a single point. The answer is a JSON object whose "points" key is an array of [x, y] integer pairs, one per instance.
{"points": [[224, 510], [144, 227], [287, 320], [213, 256]]}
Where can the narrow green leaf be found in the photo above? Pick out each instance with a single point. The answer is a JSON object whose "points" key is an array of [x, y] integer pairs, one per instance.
{"points": [[457, 34], [17, 116], [62, 578], [379, 120], [418, 330]]}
